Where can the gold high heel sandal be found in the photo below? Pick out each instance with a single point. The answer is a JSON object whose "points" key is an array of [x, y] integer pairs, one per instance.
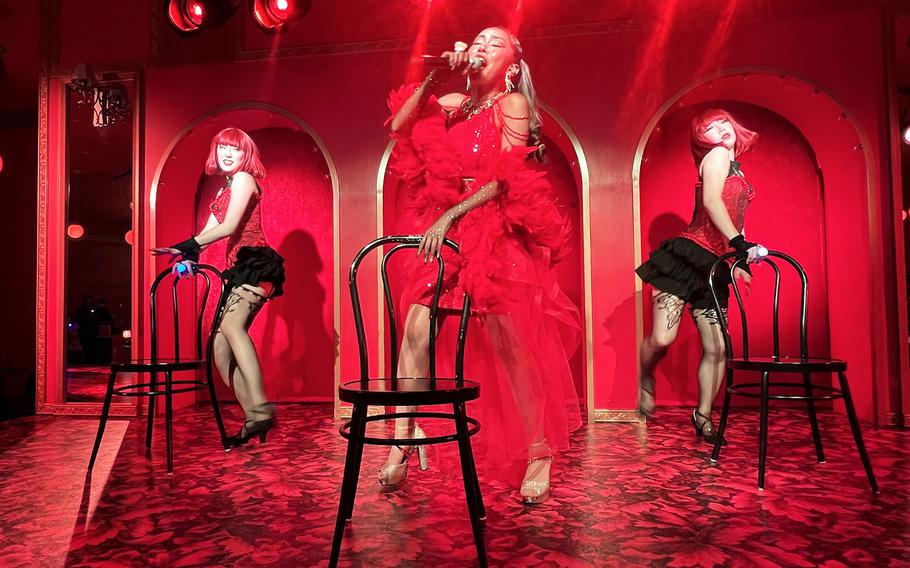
{"points": [[535, 487], [391, 474]]}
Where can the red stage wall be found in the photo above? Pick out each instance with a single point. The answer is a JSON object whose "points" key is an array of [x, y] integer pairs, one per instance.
{"points": [[19, 153], [609, 83]]}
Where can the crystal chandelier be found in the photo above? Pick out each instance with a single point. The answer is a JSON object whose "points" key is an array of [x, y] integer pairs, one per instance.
{"points": [[109, 101]]}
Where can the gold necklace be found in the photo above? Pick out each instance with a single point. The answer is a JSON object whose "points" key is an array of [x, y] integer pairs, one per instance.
{"points": [[469, 109]]}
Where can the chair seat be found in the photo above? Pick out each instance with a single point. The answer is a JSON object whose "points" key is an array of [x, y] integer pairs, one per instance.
{"points": [[159, 364], [410, 391], [788, 364]]}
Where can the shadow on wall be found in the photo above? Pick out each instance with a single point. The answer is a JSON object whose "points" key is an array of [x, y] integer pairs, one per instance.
{"points": [[308, 352]]}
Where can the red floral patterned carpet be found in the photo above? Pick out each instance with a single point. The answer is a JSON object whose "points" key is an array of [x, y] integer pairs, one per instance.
{"points": [[88, 383], [625, 495]]}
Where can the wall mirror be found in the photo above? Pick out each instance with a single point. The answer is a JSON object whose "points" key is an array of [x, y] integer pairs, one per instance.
{"points": [[97, 277], [87, 185]]}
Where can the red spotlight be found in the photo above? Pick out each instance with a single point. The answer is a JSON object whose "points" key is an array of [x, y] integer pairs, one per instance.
{"points": [[272, 15], [128, 237], [905, 134], [75, 231], [193, 15], [196, 12]]}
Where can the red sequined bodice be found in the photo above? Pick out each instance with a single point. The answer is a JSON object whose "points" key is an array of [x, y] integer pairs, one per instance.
{"points": [[249, 231], [736, 195], [476, 140]]}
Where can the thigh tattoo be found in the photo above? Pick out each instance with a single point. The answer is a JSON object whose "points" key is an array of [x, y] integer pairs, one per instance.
{"points": [[672, 305], [255, 303], [709, 315]]}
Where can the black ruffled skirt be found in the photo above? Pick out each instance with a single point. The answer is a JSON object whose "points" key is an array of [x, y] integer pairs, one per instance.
{"points": [[681, 267], [255, 265]]}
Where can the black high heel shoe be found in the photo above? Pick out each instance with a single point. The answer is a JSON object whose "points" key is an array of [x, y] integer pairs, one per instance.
{"points": [[706, 428], [252, 428]]}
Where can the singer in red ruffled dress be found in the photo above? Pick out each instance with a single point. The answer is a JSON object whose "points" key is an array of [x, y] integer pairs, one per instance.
{"points": [[464, 167]]}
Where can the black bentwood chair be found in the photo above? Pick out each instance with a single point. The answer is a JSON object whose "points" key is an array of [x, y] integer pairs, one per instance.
{"points": [[407, 391], [154, 365], [803, 365]]}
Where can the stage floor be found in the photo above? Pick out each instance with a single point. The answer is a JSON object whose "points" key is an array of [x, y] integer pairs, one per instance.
{"points": [[624, 495]]}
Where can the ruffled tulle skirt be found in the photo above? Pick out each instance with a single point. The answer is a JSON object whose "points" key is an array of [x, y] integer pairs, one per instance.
{"points": [[255, 265], [681, 267], [524, 329], [523, 332]]}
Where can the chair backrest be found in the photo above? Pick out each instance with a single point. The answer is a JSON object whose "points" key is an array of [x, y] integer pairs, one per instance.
{"points": [[207, 273], [402, 243], [722, 264]]}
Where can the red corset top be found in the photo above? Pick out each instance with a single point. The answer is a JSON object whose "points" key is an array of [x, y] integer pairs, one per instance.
{"points": [[249, 231], [736, 195]]}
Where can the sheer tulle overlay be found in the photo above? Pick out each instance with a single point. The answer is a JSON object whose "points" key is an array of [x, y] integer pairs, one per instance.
{"points": [[524, 328]]}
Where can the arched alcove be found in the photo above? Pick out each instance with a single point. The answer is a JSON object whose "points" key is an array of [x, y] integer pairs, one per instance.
{"points": [[844, 158], [566, 169], [294, 334], [787, 214]]}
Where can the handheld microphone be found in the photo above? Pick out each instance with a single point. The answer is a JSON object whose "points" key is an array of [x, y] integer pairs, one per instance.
{"points": [[438, 62]]}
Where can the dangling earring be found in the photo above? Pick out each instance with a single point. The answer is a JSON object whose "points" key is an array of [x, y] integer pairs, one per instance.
{"points": [[467, 86], [510, 86]]}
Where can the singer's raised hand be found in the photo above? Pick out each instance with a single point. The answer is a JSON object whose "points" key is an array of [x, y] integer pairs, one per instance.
{"points": [[459, 61]]}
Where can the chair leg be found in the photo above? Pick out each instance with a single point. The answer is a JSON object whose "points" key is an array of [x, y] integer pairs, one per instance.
{"points": [[215, 406], [169, 420], [105, 410], [150, 420], [358, 456], [813, 420], [348, 483], [482, 510], [857, 434], [470, 485], [763, 431], [724, 414]]}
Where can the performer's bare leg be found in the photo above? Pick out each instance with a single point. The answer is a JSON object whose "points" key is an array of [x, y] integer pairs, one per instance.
{"points": [[413, 361], [667, 310]]}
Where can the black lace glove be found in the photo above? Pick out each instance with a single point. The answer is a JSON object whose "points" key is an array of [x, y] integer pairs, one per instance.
{"points": [[189, 249], [741, 246]]}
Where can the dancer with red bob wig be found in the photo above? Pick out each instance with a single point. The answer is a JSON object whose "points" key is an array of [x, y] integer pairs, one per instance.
{"points": [[678, 269], [255, 274]]}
